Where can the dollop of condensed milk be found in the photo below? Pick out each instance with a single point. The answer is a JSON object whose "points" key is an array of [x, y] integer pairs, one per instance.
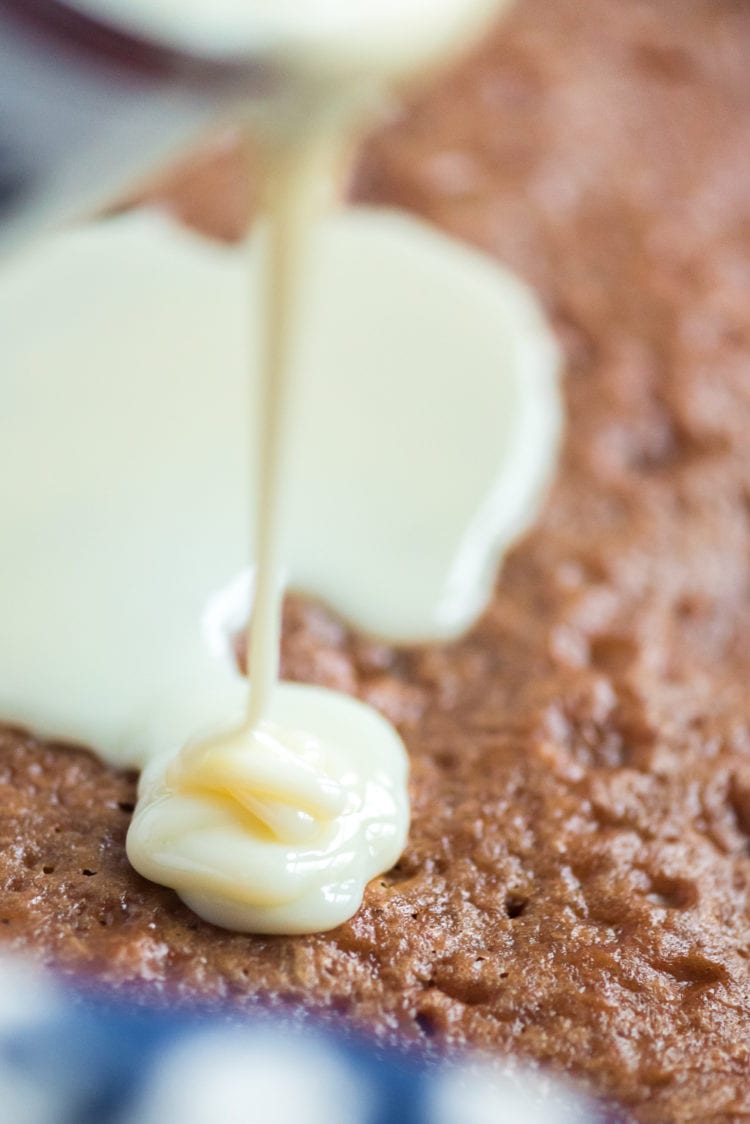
{"points": [[403, 411]]}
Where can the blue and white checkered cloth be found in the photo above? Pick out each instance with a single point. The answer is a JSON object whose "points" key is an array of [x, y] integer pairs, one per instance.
{"points": [[66, 1058]]}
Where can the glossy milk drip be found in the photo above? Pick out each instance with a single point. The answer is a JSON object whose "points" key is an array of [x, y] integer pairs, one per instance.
{"points": [[290, 814]]}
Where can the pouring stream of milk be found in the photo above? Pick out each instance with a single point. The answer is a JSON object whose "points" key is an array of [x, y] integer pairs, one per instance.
{"points": [[300, 156], [388, 483]]}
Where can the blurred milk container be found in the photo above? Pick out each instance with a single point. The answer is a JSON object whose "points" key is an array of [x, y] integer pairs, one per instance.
{"points": [[87, 107]]}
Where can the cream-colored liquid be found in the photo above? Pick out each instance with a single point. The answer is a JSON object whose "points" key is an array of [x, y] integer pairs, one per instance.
{"points": [[405, 417], [278, 824], [124, 493], [301, 154], [277, 829]]}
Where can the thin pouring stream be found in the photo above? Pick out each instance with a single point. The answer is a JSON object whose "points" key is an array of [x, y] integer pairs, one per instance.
{"points": [[298, 161], [288, 207]]}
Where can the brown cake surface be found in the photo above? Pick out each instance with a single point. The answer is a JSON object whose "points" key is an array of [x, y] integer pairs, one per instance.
{"points": [[575, 889]]}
